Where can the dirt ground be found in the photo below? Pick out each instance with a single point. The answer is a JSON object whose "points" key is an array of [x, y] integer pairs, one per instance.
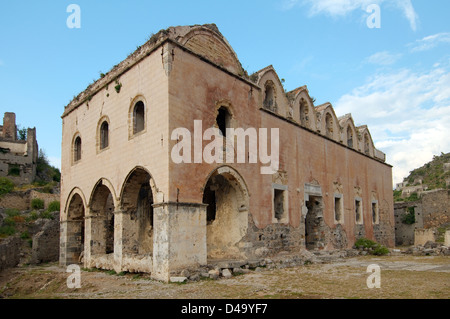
{"points": [[402, 277]]}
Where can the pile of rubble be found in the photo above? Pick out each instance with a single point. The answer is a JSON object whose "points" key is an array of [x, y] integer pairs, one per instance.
{"points": [[228, 269], [429, 249]]}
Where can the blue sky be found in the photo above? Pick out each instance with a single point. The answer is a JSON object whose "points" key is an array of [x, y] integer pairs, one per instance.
{"points": [[394, 78]]}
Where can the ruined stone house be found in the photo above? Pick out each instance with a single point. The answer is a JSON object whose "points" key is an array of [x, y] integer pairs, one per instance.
{"points": [[18, 158], [431, 212], [127, 205]]}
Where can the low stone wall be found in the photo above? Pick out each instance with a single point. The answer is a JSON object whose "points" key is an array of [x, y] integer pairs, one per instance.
{"points": [[47, 198], [422, 236], [9, 252], [21, 200], [15, 200], [46, 242]]}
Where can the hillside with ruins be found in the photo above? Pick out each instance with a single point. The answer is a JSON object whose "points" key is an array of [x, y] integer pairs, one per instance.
{"points": [[422, 204], [433, 175]]}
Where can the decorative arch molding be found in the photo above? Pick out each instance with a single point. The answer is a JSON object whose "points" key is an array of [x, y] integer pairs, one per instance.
{"points": [[104, 182], [328, 122], [155, 192], [281, 103], [197, 38], [236, 180], [76, 148], [365, 141], [131, 116], [76, 191], [303, 108], [98, 139], [348, 126]]}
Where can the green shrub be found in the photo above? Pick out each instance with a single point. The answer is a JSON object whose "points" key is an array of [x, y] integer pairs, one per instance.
{"points": [[6, 185], [413, 197], [11, 212], [33, 216], [376, 249], [53, 207], [6, 231], [9, 222], [365, 243], [25, 235], [37, 203], [380, 250], [14, 170], [410, 217], [46, 215]]}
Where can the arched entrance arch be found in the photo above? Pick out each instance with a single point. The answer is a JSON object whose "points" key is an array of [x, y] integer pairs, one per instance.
{"points": [[73, 229], [227, 197], [101, 215], [136, 200]]}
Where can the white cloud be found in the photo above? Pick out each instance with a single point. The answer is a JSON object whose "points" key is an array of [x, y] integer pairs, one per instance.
{"points": [[407, 113], [408, 11], [383, 58], [341, 8], [429, 42]]}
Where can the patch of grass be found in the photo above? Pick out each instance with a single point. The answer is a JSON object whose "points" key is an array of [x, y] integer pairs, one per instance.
{"points": [[53, 207], [37, 203], [25, 235], [34, 215], [6, 231], [11, 212], [46, 215]]}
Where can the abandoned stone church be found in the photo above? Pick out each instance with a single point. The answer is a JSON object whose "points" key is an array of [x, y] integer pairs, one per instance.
{"points": [[127, 205]]}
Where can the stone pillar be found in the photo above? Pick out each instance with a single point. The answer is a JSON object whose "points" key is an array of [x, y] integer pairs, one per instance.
{"points": [[179, 238], [70, 242], [120, 221], [9, 126], [447, 238], [88, 242]]}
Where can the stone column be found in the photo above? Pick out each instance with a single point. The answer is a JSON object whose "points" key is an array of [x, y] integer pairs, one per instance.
{"points": [[70, 242], [120, 221], [179, 238]]}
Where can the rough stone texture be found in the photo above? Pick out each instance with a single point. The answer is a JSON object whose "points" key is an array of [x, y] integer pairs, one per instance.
{"points": [[435, 208], [404, 233], [15, 153], [226, 273], [431, 212], [422, 236], [178, 279], [21, 200], [447, 238], [9, 252], [46, 242]]}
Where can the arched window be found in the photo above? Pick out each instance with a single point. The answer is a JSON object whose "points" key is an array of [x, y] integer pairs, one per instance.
{"points": [[138, 117], [269, 96], [329, 125], [304, 118], [104, 135], [223, 120], [77, 149], [349, 137], [366, 144]]}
